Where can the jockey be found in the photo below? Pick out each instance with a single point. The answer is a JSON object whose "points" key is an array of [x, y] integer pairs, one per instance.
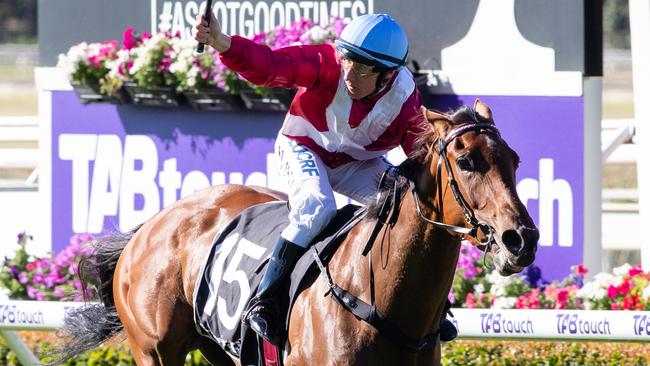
{"points": [[356, 101]]}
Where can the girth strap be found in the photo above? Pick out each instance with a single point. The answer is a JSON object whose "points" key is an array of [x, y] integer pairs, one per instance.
{"points": [[368, 313]]}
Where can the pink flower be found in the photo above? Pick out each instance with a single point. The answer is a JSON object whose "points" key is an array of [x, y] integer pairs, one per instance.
{"points": [[164, 64], [108, 48], [635, 271], [469, 301], [129, 40], [612, 292], [59, 291], [563, 295], [95, 60]]}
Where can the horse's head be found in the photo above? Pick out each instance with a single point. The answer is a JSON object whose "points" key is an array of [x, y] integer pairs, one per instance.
{"points": [[473, 170]]}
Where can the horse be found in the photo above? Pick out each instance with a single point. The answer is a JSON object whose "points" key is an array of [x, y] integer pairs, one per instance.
{"points": [[462, 172]]}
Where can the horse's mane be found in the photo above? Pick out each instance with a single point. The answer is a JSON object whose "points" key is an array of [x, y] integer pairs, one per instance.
{"points": [[416, 159], [422, 143]]}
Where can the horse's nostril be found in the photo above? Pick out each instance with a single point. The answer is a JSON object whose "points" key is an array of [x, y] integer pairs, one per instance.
{"points": [[531, 236], [512, 241]]}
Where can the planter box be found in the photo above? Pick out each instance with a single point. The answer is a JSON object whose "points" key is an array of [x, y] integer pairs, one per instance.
{"points": [[160, 96], [212, 100], [91, 94], [278, 100]]}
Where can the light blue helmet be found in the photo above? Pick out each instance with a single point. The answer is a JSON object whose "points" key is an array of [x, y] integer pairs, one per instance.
{"points": [[376, 40]]}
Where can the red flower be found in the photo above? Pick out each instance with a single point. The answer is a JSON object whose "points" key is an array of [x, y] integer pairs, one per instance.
{"points": [[581, 270], [615, 306], [30, 266], [625, 287]]}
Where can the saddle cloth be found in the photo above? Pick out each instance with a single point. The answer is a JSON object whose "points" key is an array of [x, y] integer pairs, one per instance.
{"points": [[236, 263]]}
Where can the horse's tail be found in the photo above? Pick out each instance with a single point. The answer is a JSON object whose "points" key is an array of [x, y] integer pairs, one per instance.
{"points": [[91, 325]]}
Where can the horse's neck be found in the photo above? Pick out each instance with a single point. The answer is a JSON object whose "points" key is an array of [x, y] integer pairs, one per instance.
{"points": [[414, 269]]}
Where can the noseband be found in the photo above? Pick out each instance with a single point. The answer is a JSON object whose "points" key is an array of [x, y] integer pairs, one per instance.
{"points": [[470, 218]]}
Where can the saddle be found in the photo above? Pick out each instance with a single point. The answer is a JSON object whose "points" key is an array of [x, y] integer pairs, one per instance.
{"points": [[236, 263]]}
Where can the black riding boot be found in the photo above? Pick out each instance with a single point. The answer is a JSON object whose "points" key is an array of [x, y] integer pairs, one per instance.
{"points": [[262, 317], [448, 331]]}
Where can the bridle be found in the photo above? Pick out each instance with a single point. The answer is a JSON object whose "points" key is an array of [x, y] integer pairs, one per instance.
{"points": [[387, 215], [441, 148]]}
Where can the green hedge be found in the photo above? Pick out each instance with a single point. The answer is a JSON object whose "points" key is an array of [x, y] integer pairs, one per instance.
{"points": [[456, 353], [545, 353]]}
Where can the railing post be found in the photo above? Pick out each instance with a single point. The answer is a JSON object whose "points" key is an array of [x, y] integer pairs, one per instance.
{"points": [[24, 353], [639, 36]]}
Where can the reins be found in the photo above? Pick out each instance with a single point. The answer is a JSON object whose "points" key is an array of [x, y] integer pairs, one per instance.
{"points": [[387, 216]]}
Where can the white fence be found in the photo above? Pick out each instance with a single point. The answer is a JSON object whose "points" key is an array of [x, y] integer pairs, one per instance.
{"points": [[31, 315], [564, 325]]}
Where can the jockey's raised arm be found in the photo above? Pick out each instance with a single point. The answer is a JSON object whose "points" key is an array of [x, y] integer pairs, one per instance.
{"points": [[293, 66]]}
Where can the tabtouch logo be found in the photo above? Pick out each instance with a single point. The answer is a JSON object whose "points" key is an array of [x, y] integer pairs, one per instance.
{"points": [[574, 324], [641, 325], [11, 314], [497, 323]]}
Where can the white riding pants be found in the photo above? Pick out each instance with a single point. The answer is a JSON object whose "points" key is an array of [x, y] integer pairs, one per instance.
{"points": [[311, 186]]}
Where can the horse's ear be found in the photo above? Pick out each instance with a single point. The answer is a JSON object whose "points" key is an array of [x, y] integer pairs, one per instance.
{"points": [[483, 110], [432, 116], [439, 121]]}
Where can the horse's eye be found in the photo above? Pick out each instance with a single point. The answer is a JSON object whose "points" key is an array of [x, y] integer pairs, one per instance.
{"points": [[464, 164]]}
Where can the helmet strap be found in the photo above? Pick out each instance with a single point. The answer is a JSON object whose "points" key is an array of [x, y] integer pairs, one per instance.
{"points": [[382, 80]]}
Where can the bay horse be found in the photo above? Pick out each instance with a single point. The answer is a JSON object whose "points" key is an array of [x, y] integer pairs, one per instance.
{"points": [[146, 278]]}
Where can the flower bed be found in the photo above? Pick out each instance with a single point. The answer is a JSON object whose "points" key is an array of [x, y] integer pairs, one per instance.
{"points": [[163, 70], [475, 285], [26, 277]]}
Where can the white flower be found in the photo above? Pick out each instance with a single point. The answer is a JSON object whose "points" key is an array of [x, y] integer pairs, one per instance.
{"points": [[317, 34], [499, 283], [591, 291], [504, 302], [603, 279], [622, 270], [479, 288], [76, 54], [191, 82], [122, 57]]}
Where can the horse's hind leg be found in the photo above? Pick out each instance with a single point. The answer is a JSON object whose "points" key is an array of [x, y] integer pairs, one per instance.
{"points": [[148, 352]]}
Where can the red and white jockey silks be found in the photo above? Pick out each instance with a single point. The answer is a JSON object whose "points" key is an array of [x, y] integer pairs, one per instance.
{"points": [[325, 120], [322, 116]]}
